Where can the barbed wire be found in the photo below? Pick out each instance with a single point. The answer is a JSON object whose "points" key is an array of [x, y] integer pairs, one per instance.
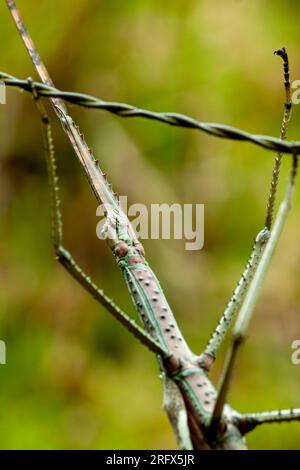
{"points": [[173, 119]]}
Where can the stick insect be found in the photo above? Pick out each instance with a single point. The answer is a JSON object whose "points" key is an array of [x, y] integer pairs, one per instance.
{"points": [[198, 412]]}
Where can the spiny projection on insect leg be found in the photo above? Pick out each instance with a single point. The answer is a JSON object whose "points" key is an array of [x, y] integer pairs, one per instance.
{"points": [[245, 314], [254, 287], [283, 131], [94, 174], [260, 242], [103, 192], [238, 295], [95, 177], [248, 422], [65, 257], [53, 179]]}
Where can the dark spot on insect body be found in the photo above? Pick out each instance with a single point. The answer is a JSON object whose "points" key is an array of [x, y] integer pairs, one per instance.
{"points": [[147, 283], [11, 5], [22, 29], [139, 248], [167, 330], [154, 299], [173, 337]]}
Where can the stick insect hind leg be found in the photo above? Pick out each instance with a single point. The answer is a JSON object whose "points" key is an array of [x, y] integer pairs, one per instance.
{"points": [[64, 256]]}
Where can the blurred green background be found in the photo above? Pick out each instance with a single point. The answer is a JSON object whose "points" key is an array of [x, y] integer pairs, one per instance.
{"points": [[74, 378]]}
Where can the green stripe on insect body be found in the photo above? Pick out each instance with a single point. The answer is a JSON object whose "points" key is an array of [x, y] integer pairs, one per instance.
{"points": [[151, 303], [198, 391]]}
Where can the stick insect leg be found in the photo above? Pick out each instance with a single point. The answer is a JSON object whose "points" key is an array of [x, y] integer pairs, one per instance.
{"points": [[250, 421], [239, 293], [175, 408], [244, 317], [264, 255], [66, 259], [284, 126]]}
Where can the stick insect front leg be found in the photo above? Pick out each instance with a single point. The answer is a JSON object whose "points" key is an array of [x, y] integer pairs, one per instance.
{"points": [[66, 259], [253, 276], [262, 237], [244, 317], [238, 295]]}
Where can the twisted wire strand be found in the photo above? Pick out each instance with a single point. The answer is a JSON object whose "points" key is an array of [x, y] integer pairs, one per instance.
{"points": [[172, 119]]}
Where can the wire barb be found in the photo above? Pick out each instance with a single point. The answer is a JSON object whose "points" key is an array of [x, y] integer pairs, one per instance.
{"points": [[172, 119]]}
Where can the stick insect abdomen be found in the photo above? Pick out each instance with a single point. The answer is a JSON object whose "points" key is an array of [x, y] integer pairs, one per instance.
{"points": [[152, 305], [199, 396]]}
